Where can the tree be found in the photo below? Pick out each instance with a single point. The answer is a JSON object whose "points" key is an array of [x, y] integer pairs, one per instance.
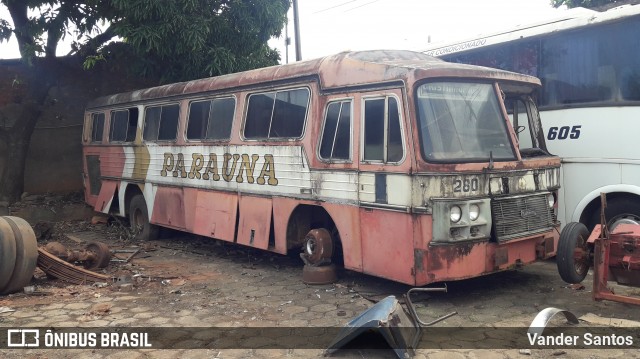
{"points": [[172, 40], [592, 4]]}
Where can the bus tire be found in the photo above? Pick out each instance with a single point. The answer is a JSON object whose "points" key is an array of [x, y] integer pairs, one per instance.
{"points": [[618, 211], [26, 254], [139, 220], [574, 253], [7, 253], [318, 246]]}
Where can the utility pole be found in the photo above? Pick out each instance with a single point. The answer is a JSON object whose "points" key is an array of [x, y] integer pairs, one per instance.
{"points": [[296, 30]]}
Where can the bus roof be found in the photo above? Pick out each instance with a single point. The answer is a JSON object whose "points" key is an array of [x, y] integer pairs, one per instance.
{"points": [[343, 70], [570, 19]]}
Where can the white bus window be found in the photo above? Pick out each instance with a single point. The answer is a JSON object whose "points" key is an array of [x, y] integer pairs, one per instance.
{"points": [[382, 134], [279, 114], [161, 123], [97, 127], [210, 119], [336, 136], [123, 125]]}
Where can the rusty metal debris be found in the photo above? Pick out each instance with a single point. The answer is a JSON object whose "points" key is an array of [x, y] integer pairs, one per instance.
{"points": [[57, 268], [133, 252], [402, 329], [94, 255], [316, 255], [542, 319], [319, 275]]}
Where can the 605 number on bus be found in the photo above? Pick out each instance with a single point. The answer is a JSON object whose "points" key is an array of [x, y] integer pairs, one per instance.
{"points": [[561, 133]]}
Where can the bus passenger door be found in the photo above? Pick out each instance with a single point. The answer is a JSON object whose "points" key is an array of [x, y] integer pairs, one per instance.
{"points": [[384, 188]]}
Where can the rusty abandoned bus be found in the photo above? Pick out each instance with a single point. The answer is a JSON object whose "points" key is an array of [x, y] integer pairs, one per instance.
{"points": [[395, 163]]}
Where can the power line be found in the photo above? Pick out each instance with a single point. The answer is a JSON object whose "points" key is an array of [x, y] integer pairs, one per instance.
{"points": [[335, 6], [369, 3]]}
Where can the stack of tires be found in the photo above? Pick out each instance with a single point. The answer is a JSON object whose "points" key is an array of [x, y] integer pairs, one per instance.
{"points": [[18, 254]]}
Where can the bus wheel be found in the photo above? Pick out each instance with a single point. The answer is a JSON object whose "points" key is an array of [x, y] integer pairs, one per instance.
{"points": [[139, 219], [574, 253], [318, 247], [618, 211]]}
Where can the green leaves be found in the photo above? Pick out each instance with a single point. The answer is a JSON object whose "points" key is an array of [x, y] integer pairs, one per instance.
{"points": [[173, 40], [582, 3], [187, 39]]}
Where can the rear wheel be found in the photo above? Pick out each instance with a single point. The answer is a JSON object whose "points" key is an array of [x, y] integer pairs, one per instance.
{"points": [[574, 253], [139, 219], [618, 211]]}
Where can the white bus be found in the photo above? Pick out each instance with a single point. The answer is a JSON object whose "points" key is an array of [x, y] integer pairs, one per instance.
{"points": [[589, 65]]}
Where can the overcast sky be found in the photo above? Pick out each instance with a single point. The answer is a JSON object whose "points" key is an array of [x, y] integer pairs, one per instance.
{"points": [[331, 26]]}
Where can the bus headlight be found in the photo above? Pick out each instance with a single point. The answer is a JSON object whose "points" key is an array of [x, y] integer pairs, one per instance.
{"points": [[551, 200], [455, 214], [474, 211]]}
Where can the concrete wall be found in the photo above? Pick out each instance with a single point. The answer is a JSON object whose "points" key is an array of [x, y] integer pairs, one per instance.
{"points": [[55, 156]]}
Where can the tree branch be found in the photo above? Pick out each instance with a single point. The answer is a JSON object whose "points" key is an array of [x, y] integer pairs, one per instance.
{"points": [[91, 46], [18, 11]]}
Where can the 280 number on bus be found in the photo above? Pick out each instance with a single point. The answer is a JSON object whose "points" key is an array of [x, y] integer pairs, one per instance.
{"points": [[465, 185], [564, 132]]}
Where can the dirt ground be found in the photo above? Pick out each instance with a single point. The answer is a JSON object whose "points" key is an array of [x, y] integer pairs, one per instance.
{"points": [[183, 281]]}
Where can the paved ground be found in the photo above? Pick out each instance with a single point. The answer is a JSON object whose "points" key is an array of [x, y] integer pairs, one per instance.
{"points": [[192, 282]]}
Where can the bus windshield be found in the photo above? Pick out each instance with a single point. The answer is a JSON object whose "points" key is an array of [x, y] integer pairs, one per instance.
{"points": [[461, 122]]}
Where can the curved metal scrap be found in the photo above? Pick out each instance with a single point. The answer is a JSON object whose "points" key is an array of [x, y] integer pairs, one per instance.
{"points": [[540, 321], [58, 268]]}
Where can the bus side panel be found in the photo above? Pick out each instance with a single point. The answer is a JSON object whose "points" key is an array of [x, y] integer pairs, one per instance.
{"points": [[422, 231], [107, 191], [168, 208], [387, 244], [190, 196], [282, 209], [215, 215], [347, 221], [255, 221]]}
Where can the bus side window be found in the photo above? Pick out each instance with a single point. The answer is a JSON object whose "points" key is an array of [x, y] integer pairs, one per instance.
{"points": [[97, 127], [382, 131], [161, 123], [211, 119], [279, 114], [335, 143], [124, 124]]}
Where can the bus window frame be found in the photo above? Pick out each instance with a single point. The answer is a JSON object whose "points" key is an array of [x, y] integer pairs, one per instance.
{"points": [[111, 111], [90, 139], [247, 97], [144, 121], [201, 99], [385, 96], [324, 122]]}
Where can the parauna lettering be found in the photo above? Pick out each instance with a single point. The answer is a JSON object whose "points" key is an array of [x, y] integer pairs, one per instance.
{"points": [[226, 167]]}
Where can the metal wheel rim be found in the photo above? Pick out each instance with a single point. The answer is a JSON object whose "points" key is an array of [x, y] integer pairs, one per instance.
{"points": [[581, 256]]}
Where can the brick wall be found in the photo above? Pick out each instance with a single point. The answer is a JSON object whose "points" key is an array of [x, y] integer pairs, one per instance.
{"points": [[54, 161]]}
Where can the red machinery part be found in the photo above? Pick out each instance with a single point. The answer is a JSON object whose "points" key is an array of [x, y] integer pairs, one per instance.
{"points": [[617, 254]]}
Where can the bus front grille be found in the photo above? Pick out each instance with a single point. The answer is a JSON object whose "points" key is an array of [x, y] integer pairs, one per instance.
{"points": [[515, 217]]}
